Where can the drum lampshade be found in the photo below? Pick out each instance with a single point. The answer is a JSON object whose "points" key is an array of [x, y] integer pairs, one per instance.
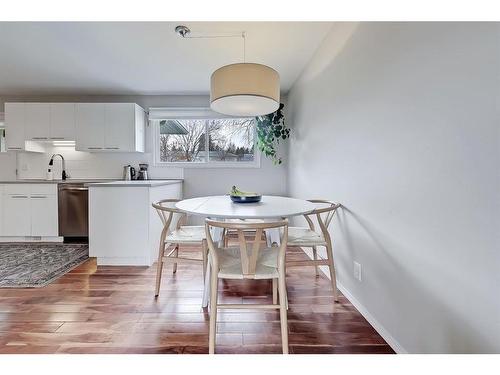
{"points": [[245, 89]]}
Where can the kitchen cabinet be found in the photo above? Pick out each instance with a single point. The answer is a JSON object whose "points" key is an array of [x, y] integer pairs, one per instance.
{"points": [[1, 210], [14, 126], [124, 229], [49, 121], [120, 126], [29, 124], [105, 127], [16, 215], [37, 121], [29, 210], [110, 127], [43, 215], [62, 121], [90, 123]]}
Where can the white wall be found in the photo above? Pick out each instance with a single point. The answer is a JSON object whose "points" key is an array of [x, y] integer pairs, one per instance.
{"points": [[268, 179], [400, 123]]}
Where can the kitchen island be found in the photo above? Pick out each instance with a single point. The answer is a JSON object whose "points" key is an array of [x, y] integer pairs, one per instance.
{"points": [[124, 229]]}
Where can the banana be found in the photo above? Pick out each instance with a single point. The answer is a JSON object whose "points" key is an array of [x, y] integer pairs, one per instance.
{"points": [[235, 191]]}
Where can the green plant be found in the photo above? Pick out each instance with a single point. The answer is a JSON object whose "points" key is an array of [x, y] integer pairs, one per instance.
{"points": [[271, 129]]}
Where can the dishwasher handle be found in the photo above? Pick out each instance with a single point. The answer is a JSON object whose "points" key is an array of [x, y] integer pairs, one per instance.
{"points": [[75, 188]]}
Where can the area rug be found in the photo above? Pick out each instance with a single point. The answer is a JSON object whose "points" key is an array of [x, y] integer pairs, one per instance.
{"points": [[33, 265]]}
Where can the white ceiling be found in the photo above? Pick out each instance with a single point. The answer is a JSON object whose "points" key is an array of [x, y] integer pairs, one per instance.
{"points": [[145, 58]]}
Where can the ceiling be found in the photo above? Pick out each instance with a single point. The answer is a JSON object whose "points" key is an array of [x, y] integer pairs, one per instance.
{"points": [[144, 58]]}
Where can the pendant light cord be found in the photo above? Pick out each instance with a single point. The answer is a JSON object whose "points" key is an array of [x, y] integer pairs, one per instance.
{"points": [[186, 34]]}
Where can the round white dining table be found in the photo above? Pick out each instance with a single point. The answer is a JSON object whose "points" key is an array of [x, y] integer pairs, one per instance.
{"points": [[221, 206]]}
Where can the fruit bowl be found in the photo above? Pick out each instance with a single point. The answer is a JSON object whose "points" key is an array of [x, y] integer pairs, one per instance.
{"points": [[246, 198], [239, 196]]}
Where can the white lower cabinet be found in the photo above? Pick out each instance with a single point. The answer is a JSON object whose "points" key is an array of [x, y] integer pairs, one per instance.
{"points": [[29, 210], [43, 215], [124, 229], [17, 215]]}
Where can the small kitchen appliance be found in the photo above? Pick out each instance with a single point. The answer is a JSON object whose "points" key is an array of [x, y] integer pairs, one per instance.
{"points": [[143, 172], [128, 173]]}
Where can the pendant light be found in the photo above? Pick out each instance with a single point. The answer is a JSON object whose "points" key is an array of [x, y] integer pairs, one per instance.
{"points": [[242, 89], [245, 89]]}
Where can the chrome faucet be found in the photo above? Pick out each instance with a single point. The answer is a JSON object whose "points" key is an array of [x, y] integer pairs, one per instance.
{"points": [[51, 163]]}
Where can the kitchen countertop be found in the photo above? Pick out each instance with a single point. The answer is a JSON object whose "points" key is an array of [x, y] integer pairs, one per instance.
{"points": [[69, 181], [93, 182], [134, 183]]}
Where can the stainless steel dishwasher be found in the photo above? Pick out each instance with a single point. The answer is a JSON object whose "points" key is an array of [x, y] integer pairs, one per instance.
{"points": [[73, 210]]}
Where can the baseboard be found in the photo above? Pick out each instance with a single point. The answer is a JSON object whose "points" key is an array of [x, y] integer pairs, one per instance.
{"points": [[393, 343], [30, 239], [122, 261]]}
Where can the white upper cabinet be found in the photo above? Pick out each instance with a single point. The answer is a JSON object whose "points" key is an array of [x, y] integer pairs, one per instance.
{"points": [[90, 123], [105, 127], [117, 127], [37, 121], [28, 124], [14, 126], [62, 121], [120, 127]]}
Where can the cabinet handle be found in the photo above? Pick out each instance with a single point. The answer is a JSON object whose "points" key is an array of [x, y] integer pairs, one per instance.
{"points": [[39, 138], [38, 196], [57, 138], [94, 148], [112, 148], [14, 148], [19, 196]]}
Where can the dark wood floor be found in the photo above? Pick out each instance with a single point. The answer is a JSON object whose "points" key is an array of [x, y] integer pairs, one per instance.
{"points": [[112, 310]]}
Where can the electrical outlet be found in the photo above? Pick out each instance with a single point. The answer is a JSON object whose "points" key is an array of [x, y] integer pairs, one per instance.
{"points": [[24, 166], [357, 271]]}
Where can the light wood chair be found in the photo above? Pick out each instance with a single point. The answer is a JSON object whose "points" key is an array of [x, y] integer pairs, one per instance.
{"points": [[227, 232], [242, 262], [309, 237], [180, 235]]}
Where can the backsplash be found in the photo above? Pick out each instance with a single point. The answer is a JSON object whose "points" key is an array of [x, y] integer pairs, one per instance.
{"points": [[87, 165]]}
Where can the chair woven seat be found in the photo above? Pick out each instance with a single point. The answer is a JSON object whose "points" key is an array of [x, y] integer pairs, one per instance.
{"points": [[230, 263], [301, 236], [187, 234]]}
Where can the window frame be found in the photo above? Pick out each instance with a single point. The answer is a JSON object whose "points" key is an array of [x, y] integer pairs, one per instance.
{"points": [[194, 114]]}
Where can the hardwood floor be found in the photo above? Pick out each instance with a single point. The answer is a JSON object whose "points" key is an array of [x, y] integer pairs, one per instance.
{"points": [[113, 310]]}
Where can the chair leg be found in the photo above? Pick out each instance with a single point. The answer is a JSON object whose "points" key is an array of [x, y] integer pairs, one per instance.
{"points": [[204, 254], [283, 313], [275, 291], [226, 239], [159, 268], [213, 312], [206, 286], [315, 257], [331, 267], [176, 254]]}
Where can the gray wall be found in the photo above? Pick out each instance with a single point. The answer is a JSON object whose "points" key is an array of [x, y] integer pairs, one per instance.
{"points": [[268, 179], [400, 123]]}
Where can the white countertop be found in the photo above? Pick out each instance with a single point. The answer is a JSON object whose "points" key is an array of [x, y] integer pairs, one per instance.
{"points": [[69, 181], [133, 183], [92, 182]]}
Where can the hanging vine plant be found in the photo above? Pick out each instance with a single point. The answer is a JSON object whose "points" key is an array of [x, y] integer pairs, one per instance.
{"points": [[271, 129]]}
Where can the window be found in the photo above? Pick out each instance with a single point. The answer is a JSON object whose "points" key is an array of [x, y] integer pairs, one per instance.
{"points": [[204, 139]]}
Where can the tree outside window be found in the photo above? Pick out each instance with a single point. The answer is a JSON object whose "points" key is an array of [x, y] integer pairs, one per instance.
{"points": [[185, 141]]}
